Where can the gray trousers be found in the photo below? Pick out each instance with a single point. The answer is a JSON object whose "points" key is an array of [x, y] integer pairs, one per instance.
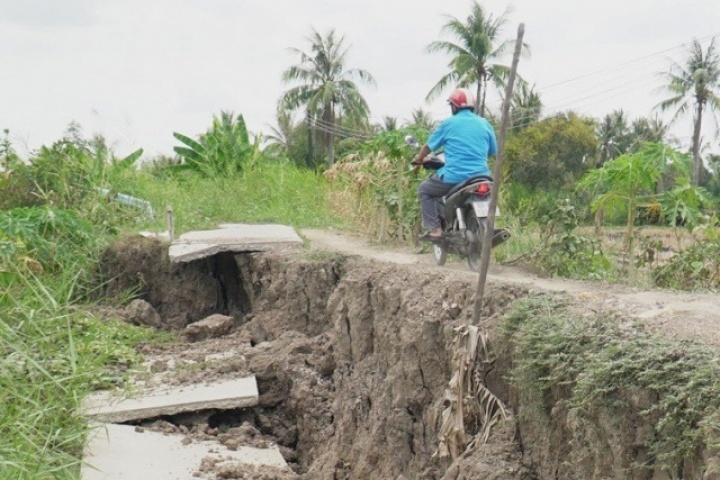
{"points": [[428, 191]]}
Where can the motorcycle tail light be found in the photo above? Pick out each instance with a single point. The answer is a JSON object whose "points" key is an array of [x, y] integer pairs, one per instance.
{"points": [[483, 188]]}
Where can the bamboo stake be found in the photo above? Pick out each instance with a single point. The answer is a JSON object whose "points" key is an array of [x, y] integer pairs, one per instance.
{"points": [[490, 223]]}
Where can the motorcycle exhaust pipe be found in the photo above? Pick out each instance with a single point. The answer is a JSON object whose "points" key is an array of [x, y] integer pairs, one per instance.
{"points": [[500, 236]]}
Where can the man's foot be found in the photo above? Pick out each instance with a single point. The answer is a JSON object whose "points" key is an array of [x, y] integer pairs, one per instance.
{"points": [[432, 235]]}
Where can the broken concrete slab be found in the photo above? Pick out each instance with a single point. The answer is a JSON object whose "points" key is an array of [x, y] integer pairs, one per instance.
{"points": [[108, 407], [119, 452], [232, 237], [213, 326]]}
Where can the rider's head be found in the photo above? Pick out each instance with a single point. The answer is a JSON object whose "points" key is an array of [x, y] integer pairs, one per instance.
{"points": [[461, 99]]}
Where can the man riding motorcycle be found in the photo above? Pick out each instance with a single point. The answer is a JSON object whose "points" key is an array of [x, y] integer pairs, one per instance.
{"points": [[468, 141]]}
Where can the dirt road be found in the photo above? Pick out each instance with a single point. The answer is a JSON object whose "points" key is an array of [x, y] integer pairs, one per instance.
{"points": [[680, 315]]}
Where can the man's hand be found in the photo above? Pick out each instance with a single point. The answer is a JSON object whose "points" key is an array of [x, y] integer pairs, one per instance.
{"points": [[421, 156]]}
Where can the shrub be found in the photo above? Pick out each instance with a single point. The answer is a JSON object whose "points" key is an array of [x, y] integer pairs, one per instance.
{"points": [[563, 252]]}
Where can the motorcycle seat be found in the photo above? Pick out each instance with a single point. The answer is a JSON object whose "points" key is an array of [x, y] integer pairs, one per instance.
{"points": [[467, 182]]}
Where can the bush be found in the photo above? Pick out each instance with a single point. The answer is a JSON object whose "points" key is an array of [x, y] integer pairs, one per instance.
{"points": [[693, 268], [564, 253], [45, 237]]}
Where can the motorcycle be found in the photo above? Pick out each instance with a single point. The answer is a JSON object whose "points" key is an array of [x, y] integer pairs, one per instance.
{"points": [[463, 216]]}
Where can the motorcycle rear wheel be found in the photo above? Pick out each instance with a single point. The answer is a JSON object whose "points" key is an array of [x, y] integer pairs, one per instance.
{"points": [[475, 235]]}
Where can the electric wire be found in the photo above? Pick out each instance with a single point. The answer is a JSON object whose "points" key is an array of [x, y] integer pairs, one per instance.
{"points": [[630, 62], [590, 96], [337, 128]]}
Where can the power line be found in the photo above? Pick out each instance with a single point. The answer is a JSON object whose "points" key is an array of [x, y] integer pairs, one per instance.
{"points": [[337, 127], [571, 103], [639, 59], [336, 131]]}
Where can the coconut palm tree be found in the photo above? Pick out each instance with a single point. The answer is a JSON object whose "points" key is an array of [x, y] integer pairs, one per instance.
{"points": [[526, 107], [327, 90], [612, 133], [421, 119], [280, 140], [645, 129], [474, 54], [694, 85]]}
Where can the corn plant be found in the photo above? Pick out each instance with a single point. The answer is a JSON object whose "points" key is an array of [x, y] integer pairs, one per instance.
{"points": [[381, 186]]}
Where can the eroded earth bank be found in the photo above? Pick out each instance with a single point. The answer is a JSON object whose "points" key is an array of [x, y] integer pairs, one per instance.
{"points": [[353, 358]]}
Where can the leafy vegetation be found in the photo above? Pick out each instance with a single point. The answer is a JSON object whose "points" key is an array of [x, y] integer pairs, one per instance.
{"points": [[601, 368], [694, 268], [563, 252], [224, 150], [552, 153], [378, 189], [626, 181]]}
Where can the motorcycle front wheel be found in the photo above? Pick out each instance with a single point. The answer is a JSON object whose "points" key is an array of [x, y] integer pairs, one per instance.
{"points": [[475, 234]]}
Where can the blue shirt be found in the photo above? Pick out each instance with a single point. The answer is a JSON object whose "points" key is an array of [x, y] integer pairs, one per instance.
{"points": [[468, 140]]}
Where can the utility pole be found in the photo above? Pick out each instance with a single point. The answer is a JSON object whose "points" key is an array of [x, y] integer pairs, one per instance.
{"points": [[497, 177]]}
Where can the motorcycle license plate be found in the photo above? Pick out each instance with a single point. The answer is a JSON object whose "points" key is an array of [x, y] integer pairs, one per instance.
{"points": [[483, 208]]}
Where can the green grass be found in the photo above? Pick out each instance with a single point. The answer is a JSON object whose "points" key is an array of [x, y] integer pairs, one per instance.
{"points": [[52, 355], [270, 193]]}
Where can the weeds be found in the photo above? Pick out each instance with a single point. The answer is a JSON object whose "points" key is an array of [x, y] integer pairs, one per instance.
{"points": [[52, 356], [272, 192], [563, 252], [600, 368]]}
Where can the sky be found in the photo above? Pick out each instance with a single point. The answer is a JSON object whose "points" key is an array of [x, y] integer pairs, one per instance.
{"points": [[136, 71]]}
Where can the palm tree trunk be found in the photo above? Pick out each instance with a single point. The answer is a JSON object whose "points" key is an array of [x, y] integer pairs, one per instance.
{"points": [[310, 154], [696, 161], [331, 138], [484, 94], [477, 97]]}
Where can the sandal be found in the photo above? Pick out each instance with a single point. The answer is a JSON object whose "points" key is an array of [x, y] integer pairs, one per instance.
{"points": [[430, 238]]}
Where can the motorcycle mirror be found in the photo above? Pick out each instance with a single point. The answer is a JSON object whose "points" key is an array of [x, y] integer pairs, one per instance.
{"points": [[412, 141]]}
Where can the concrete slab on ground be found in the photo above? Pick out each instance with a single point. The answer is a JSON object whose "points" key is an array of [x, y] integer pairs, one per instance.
{"points": [[119, 452], [232, 237], [108, 407]]}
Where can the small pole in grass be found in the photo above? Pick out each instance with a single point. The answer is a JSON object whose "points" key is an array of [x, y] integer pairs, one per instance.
{"points": [[170, 222], [490, 223]]}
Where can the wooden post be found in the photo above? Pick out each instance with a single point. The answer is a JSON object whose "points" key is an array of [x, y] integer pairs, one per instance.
{"points": [[170, 222], [497, 177]]}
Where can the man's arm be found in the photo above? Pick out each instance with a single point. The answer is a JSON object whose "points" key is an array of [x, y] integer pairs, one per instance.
{"points": [[420, 157], [492, 142]]}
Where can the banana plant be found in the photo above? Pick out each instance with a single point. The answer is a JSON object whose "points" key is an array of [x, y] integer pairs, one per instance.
{"points": [[224, 150]]}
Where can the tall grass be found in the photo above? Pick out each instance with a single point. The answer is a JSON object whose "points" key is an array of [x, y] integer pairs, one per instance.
{"points": [[271, 192], [51, 356]]}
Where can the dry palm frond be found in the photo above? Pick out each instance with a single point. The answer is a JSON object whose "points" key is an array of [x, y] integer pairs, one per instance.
{"points": [[467, 399]]}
